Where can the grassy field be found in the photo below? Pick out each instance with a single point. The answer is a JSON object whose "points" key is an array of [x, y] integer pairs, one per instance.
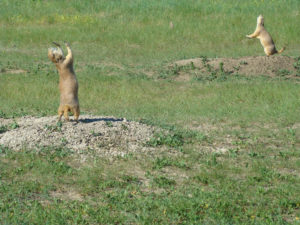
{"points": [[122, 50]]}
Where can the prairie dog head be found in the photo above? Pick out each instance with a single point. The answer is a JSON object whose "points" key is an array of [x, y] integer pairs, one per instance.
{"points": [[56, 55], [260, 20]]}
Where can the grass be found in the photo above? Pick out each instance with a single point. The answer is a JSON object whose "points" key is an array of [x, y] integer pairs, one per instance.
{"points": [[122, 49], [138, 31]]}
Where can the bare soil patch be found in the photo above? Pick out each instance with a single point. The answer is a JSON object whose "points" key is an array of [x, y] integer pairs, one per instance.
{"points": [[12, 71], [102, 135], [272, 66]]}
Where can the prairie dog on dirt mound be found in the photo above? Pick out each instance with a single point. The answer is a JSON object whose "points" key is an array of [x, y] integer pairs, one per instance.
{"points": [[265, 38], [68, 85]]}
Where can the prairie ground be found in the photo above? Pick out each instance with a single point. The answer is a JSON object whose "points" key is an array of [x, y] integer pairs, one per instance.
{"points": [[184, 120]]}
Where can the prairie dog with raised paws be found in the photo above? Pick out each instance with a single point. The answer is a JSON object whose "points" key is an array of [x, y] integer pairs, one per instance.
{"points": [[68, 85], [265, 38]]}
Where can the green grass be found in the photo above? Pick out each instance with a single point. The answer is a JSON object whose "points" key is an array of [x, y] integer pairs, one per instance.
{"points": [[252, 101], [117, 44], [138, 31], [221, 188]]}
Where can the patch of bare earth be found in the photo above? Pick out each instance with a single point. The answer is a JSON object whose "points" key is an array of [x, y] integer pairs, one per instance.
{"points": [[272, 66], [101, 135], [12, 71]]}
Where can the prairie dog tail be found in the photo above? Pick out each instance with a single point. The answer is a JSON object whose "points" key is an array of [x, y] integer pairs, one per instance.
{"points": [[281, 50]]}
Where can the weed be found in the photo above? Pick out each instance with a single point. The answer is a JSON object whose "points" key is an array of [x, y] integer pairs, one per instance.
{"points": [[201, 137], [2, 114], [124, 127], [160, 163], [3, 149], [162, 181], [14, 125], [54, 152], [3, 129], [297, 66], [221, 67], [233, 153], [237, 68], [96, 134], [283, 72], [53, 128], [255, 155], [64, 141], [203, 178], [204, 60], [171, 140], [212, 161], [109, 123]]}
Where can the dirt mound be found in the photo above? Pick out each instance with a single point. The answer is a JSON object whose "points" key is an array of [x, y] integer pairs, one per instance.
{"points": [[103, 135], [259, 65]]}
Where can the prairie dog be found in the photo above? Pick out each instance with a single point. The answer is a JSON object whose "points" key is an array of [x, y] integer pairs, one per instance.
{"points": [[265, 38], [68, 85]]}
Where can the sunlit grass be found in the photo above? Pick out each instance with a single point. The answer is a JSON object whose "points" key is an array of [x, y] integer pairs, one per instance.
{"points": [[138, 32], [172, 102]]}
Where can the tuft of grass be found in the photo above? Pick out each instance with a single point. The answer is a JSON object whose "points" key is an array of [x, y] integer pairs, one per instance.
{"points": [[3, 129], [171, 140], [162, 162]]}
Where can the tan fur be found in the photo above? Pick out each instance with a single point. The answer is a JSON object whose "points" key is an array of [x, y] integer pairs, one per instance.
{"points": [[265, 38], [68, 85]]}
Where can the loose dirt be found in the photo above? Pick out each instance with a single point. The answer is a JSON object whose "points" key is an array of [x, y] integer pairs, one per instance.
{"points": [[102, 135], [12, 71], [272, 66]]}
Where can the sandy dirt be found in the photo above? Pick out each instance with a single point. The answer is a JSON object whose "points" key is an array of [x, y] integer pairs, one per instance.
{"points": [[102, 135], [272, 66]]}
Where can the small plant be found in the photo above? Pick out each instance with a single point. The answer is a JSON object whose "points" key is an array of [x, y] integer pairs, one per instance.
{"points": [[175, 70], [204, 179], [162, 181], [160, 163], [201, 137], [192, 66], [2, 114], [283, 72], [221, 67], [3, 129], [109, 123], [59, 124], [237, 68], [3, 149], [233, 153], [64, 141], [171, 140], [53, 128], [204, 59], [96, 134], [14, 125], [255, 155], [297, 66], [124, 127], [243, 62], [213, 160], [291, 132]]}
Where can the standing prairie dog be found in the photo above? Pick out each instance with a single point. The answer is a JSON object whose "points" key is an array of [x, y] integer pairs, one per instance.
{"points": [[68, 85], [265, 38]]}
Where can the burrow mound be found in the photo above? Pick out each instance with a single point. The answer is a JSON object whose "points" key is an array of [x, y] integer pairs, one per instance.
{"points": [[103, 135], [272, 66]]}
